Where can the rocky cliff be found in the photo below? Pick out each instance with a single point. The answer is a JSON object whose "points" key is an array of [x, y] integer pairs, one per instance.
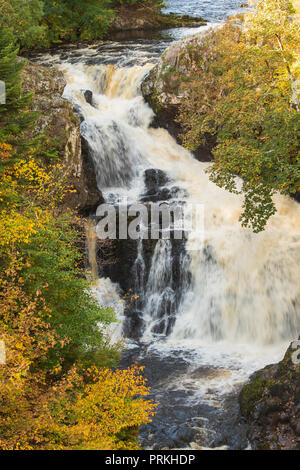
{"points": [[58, 126], [166, 85], [271, 404]]}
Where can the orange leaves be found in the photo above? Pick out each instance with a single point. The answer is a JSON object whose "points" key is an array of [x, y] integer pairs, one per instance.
{"points": [[101, 415], [27, 338], [43, 403]]}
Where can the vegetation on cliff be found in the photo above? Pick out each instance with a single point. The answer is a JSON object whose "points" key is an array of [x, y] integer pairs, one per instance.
{"points": [[247, 97], [56, 388], [234, 94]]}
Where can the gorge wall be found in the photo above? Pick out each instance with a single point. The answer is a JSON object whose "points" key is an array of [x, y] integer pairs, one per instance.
{"points": [[167, 84], [59, 128]]}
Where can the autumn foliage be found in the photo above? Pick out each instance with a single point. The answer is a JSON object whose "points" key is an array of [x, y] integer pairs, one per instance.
{"points": [[55, 393], [5, 151], [244, 91], [57, 390]]}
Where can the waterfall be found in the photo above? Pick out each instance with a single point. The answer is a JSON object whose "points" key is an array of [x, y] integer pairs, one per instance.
{"points": [[112, 120], [239, 286]]}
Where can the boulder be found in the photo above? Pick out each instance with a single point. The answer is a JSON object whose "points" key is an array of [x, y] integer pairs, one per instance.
{"points": [[88, 95]]}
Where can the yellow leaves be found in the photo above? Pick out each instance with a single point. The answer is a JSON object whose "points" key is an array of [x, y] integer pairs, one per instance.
{"points": [[112, 402], [100, 410], [5, 151], [16, 228], [29, 177], [63, 412]]}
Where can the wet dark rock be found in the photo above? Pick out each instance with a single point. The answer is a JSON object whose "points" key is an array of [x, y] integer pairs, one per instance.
{"points": [[164, 194], [155, 179], [156, 182], [77, 111], [284, 417], [126, 273], [277, 390], [270, 404], [132, 273], [296, 196], [181, 435], [91, 195], [88, 95], [142, 19]]}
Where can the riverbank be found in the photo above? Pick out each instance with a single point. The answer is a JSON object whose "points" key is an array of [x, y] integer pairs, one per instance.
{"points": [[129, 24], [145, 19]]}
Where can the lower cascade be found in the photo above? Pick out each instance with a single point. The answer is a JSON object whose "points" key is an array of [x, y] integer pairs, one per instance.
{"points": [[229, 302]]}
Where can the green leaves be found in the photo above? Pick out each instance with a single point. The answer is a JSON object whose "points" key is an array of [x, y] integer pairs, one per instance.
{"points": [[14, 115], [246, 97], [53, 261], [40, 23], [68, 20], [23, 19]]}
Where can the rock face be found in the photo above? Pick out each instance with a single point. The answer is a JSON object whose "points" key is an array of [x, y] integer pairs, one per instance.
{"points": [[271, 405], [165, 87], [59, 126]]}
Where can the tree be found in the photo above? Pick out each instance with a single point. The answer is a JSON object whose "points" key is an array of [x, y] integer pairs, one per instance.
{"points": [[251, 106], [14, 115], [23, 18], [41, 409], [70, 20]]}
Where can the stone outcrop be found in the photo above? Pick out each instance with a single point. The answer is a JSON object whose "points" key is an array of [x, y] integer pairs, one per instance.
{"points": [[271, 404], [164, 88], [58, 125]]}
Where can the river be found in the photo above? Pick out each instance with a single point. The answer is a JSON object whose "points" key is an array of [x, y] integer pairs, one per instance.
{"points": [[207, 315]]}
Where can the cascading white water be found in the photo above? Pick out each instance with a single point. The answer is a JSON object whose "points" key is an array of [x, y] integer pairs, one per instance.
{"points": [[111, 123], [244, 286], [159, 295]]}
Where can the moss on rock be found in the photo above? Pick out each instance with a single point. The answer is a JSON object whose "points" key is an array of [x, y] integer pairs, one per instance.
{"points": [[270, 403]]}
